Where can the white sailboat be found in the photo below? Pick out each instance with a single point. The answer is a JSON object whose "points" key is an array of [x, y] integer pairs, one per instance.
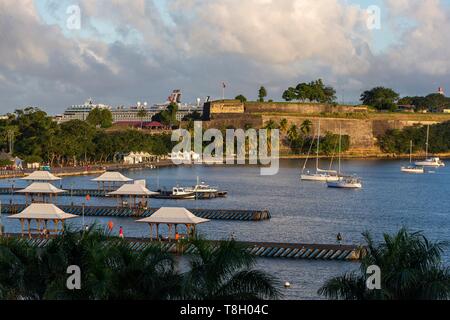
{"points": [[344, 182], [320, 175], [430, 162], [411, 168]]}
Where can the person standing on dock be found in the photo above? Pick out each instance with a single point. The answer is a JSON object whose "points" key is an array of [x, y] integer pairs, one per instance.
{"points": [[121, 232], [339, 238]]}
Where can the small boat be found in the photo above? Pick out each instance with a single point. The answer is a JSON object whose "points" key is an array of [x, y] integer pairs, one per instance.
{"points": [[346, 183], [430, 162], [177, 193], [202, 188], [320, 175], [412, 169]]}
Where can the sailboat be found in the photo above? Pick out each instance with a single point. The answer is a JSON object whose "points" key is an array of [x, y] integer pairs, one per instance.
{"points": [[430, 162], [320, 175], [411, 168], [344, 182]]}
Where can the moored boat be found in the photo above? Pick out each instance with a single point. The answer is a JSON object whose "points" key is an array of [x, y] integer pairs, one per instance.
{"points": [[412, 169], [320, 175], [346, 183], [434, 162]]}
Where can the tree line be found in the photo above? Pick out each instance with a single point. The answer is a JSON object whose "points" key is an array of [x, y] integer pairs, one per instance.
{"points": [[37, 138], [379, 98], [301, 140], [398, 141]]}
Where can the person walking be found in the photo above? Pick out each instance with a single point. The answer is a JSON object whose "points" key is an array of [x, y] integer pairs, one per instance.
{"points": [[121, 232]]}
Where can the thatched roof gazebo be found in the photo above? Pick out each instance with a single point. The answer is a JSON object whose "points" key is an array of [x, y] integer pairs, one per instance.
{"points": [[41, 176], [41, 189], [42, 213], [172, 217], [110, 179], [133, 192]]}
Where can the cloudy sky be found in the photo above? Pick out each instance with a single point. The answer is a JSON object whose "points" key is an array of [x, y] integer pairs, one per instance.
{"points": [[126, 51]]}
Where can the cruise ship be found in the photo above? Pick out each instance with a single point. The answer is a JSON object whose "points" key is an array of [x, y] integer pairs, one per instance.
{"points": [[131, 113]]}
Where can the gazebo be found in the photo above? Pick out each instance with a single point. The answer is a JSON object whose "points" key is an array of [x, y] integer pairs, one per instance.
{"points": [[172, 217], [41, 176], [133, 192], [42, 213], [111, 179], [41, 189]]}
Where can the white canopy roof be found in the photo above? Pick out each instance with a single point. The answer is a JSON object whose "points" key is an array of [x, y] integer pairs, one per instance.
{"points": [[136, 189], [173, 216], [43, 211], [41, 188], [112, 177], [41, 176]]}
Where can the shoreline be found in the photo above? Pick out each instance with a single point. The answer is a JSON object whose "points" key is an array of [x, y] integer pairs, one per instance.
{"points": [[373, 156]]}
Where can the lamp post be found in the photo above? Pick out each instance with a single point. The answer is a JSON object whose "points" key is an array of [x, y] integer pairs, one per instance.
{"points": [[1, 223]]}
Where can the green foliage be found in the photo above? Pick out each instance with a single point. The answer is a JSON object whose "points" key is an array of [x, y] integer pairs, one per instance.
{"points": [[167, 116], [301, 141], [32, 159], [380, 98], [36, 132], [314, 91], [283, 125], [4, 162], [225, 272], [270, 125], [38, 137], [262, 93], [193, 116], [100, 117], [411, 269], [434, 102], [111, 270], [398, 141], [241, 98]]}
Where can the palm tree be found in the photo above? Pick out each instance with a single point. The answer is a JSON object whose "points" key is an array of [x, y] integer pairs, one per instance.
{"points": [[18, 275], [270, 125], [411, 269], [142, 113], [283, 125], [306, 127], [224, 271]]}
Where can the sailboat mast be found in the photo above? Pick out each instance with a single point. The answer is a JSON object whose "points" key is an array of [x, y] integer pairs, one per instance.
{"points": [[428, 140], [318, 147], [340, 147], [410, 151]]}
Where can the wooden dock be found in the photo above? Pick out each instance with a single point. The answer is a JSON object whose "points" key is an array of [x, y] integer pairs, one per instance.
{"points": [[99, 193], [293, 251], [119, 212]]}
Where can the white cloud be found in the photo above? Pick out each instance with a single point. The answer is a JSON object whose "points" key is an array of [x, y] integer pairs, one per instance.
{"points": [[246, 43]]}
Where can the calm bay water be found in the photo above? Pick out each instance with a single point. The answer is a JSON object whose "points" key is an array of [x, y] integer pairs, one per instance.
{"points": [[301, 212]]}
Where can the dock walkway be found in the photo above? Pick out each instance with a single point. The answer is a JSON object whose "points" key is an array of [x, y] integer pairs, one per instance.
{"points": [[294, 251], [119, 212]]}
